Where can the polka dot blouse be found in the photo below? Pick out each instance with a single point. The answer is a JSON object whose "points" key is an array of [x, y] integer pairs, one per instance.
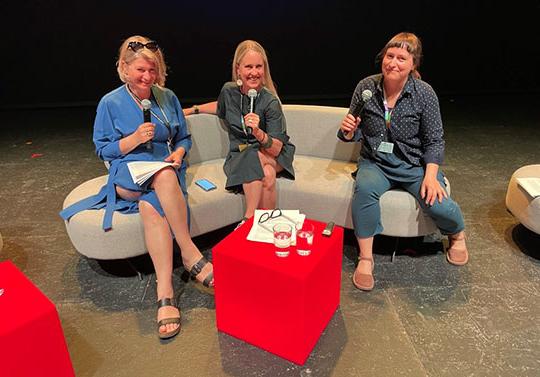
{"points": [[415, 124]]}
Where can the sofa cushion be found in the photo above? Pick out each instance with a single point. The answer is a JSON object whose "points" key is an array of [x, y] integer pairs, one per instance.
{"points": [[313, 130], [211, 210]]}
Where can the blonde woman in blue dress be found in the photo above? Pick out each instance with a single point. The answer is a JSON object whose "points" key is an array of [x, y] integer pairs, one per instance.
{"points": [[121, 136]]}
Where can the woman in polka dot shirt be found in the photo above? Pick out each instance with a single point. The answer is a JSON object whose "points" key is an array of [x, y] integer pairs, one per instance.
{"points": [[401, 130]]}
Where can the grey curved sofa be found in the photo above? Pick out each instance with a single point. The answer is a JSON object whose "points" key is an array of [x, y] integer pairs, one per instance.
{"points": [[524, 207], [322, 190]]}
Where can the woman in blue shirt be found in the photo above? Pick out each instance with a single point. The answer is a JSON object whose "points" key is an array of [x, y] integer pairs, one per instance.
{"points": [[121, 136], [401, 130]]}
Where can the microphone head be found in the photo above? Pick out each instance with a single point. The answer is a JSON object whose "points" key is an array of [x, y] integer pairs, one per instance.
{"points": [[147, 105], [252, 93], [366, 95]]}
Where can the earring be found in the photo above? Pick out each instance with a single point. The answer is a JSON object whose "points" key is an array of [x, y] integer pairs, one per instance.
{"points": [[239, 82]]}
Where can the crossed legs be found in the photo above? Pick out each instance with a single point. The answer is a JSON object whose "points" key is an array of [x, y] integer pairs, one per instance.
{"points": [[158, 237], [262, 193]]}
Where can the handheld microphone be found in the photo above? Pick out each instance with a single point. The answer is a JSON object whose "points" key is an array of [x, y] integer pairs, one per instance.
{"points": [[146, 105], [366, 96], [252, 94]]}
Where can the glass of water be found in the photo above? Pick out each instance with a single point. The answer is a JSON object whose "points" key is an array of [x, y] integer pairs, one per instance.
{"points": [[282, 239], [304, 238]]}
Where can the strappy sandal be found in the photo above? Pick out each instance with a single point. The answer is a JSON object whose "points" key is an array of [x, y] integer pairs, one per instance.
{"points": [[197, 268], [364, 282], [458, 256], [165, 321]]}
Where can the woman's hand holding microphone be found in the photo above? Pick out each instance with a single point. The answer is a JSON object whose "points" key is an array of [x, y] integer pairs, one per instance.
{"points": [[145, 132], [349, 126]]}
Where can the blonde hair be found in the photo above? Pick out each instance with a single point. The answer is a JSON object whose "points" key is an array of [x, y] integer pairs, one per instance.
{"points": [[126, 56], [409, 42], [241, 51]]}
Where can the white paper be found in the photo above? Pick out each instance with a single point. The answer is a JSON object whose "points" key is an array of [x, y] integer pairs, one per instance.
{"points": [[531, 185], [141, 171], [264, 233]]}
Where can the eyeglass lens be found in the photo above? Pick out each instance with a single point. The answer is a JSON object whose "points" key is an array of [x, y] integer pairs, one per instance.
{"points": [[136, 46], [269, 215]]}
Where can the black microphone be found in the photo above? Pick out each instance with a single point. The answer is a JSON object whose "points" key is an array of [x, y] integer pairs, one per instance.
{"points": [[146, 105], [366, 96], [252, 94]]}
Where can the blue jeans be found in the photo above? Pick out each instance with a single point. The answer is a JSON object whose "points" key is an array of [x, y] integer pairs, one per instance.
{"points": [[374, 178]]}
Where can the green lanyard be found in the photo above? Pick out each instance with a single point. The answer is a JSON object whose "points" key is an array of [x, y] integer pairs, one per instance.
{"points": [[387, 113]]}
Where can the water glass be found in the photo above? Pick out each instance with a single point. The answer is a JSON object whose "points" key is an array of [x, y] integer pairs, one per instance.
{"points": [[282, 239], [304, 238]]}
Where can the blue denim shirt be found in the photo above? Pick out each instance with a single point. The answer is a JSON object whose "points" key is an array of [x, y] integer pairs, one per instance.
{"points": [[415, 128]]}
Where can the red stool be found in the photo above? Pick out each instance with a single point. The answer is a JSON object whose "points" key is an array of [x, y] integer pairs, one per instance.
{"points": [[31, 338], [281, 305]]}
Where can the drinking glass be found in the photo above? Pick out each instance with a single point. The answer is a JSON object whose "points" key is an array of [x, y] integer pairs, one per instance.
{"points": [[282, 239], [304, 238]]}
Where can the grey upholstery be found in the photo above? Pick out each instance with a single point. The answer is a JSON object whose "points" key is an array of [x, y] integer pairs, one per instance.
{"points": [[524, 207], [323, 187]]}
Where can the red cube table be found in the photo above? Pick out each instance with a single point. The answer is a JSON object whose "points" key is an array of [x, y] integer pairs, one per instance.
{"points": [[31, 339], [281, 305]]}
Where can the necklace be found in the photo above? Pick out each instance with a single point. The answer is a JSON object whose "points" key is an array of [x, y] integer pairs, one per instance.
{"points": [[165, 122]]}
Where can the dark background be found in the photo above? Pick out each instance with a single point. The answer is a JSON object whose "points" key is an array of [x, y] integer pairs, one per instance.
{"points": [[62, 53]]}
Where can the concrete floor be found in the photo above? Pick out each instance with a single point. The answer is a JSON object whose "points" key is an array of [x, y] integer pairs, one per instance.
{"points": [[424, 318]]}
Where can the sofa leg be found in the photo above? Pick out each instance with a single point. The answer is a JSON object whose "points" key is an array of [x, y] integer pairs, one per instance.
{"points": [[134, 269], [395, 250]]}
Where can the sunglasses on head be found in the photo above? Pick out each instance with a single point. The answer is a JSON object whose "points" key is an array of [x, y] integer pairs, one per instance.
{"points": [[136, 46]]}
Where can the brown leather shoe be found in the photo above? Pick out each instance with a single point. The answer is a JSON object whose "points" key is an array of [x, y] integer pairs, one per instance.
{"points": [[365, 282], [457, 255]]}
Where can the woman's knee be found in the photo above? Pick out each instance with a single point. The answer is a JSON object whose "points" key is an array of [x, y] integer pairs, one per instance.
{"points": [[448, 210], [370, 183], [149, 214], [367, 189], [165, 176], [269, 179]]}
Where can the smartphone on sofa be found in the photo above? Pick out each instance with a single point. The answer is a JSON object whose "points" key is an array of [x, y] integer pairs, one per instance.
{"points": [[205, 184]]}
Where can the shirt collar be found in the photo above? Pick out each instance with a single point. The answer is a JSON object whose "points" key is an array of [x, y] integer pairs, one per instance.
{"points": [[408, 88]]}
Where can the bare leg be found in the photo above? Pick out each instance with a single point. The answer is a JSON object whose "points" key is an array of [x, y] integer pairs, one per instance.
{"points": [[159, 244], [363, 275], [270, 169], [366, 251], [174, 205], [253, 192]]}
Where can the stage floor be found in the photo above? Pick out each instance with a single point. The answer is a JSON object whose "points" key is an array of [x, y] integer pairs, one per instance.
{"points": [[425, 317]]}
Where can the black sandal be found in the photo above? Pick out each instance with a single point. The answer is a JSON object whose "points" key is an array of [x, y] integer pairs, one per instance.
{"points": [[197, 268], [165, 321]]}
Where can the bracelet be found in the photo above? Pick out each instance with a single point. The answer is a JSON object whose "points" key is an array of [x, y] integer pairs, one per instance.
{"points": [[196, 109], [268, 143]]}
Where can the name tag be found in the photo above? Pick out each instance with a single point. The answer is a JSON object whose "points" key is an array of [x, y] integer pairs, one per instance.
{"points": [[241, 147], [385, 147]]}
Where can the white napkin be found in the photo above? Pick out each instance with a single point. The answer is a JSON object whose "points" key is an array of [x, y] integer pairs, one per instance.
{"points": [[264, 233]]}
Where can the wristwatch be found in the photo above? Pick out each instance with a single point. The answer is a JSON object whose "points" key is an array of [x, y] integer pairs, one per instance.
{"points": [[196, 109]]}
